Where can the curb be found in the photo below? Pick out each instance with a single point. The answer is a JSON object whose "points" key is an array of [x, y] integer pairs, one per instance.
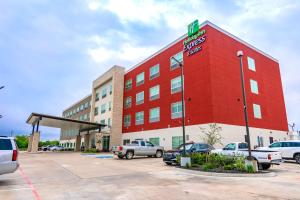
{"points": [[219, 174]]}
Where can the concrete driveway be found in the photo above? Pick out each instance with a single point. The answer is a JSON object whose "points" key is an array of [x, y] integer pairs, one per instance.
{"points": [[73, 176]]}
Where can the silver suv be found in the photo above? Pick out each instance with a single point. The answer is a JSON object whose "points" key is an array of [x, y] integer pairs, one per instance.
{"points": [[8, 155]]}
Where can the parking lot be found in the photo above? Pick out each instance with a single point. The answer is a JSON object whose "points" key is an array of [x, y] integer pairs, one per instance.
{"points": [[67, 175]]}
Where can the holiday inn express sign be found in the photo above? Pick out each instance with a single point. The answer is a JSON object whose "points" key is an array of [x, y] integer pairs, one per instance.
{"points": [[191, 45]]}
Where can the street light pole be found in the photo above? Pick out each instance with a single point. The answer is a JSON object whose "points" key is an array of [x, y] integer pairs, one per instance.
{"points": [[240, 55], [182, 106]]}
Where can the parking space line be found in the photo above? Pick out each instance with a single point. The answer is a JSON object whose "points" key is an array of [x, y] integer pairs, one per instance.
{"points": [[15, 189], [27, 180]]}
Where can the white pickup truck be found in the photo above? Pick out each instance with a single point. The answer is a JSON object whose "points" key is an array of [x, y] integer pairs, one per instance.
{"points": [[264, 158], [138, 148], [290, 150], [8, 155]]}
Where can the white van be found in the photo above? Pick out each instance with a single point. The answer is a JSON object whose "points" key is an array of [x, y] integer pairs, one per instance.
{"points": [[8, 155]]}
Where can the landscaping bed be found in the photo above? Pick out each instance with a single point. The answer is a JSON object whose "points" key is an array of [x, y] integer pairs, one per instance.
{"points": [[218, 163]]}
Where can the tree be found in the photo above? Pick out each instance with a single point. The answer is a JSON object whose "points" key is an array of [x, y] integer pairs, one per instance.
{"points": [[212, 136], [22, 141]]}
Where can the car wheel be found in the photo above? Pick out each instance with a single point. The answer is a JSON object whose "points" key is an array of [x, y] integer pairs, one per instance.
{"points": [[297, 158], [265, 166], [129, 155], [168, 163], [158, 154], [121, 157]]}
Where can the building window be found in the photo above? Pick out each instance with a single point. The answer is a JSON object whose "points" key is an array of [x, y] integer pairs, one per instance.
{"points": [[173, 63], [139, 98], [108, 122], [154, 114], [176, 85], [126, 141], [78, 109], [110, 89], [96, 111], [102, 121], [128, 101], [104, 92], [254, 86], [103, 108], [260, 141], [128, 84], [154, 71], [176, 109], [81, 107], [86, 105], [127, 120], [256, 111], [140, 79], [139, 118], [176, 141], [85, 117], [154, 93], [154, 141], [97, 96], [109, 106], [251, 64]]}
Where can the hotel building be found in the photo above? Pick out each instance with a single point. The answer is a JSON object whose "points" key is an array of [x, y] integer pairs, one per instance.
{"points": [[144, 102]]}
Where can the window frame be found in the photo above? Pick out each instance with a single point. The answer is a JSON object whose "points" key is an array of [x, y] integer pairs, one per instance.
{"points": [[128, 105], [254, 86], [140, 101], [156, 119], [140, 121], [251, 61], [128, 86], [176, 115], [138, 83], [153, 76], [176, 89], [255, 114], [175, 65], [154, 97], [127, 123]]}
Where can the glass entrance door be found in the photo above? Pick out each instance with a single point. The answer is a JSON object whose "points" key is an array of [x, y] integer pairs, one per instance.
{"points": [[106, 143]]}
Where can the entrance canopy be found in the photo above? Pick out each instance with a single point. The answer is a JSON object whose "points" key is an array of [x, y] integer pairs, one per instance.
{"points": [[36, 119]]}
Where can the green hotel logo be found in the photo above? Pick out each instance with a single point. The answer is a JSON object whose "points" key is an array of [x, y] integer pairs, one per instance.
{"points": [[193, 28]]}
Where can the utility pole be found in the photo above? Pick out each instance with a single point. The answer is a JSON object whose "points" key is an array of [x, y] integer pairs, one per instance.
{"points": [[182, 106], [240, 55]]}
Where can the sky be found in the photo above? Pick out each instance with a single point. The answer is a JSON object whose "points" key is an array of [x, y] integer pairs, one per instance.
{"points": [[52, 50]]}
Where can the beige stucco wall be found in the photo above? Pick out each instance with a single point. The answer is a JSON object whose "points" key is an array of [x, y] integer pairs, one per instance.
{"points": [[230, 133]]}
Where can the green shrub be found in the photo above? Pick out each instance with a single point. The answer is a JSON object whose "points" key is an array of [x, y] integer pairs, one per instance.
{"points": [[187, 165], [240, 164], [208, 166], [178, 157], [229, 167], [250, 169], [91, 150], [198, 158]]}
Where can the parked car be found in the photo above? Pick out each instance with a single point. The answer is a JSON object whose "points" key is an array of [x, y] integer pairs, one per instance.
{"points": [[138, 148], [290, 150], [264, 158], [8, 155], [169, 157], [56, 148], [47, 148]]}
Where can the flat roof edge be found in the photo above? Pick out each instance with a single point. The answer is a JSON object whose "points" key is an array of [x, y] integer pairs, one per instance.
{"points": [[201, 25], [87, 96]]}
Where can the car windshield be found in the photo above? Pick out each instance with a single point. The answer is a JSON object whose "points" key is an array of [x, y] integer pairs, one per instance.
{"points": [[187, 146]]}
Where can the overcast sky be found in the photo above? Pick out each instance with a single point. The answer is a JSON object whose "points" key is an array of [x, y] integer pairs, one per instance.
{"points": [[52, 50]]}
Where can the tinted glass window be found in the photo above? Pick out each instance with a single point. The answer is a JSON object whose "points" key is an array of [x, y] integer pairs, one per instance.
{"points": [[142, 143], [134, 142], [148, 144], [187, 146], [230, 146], [5, 144], [243, 146], [202, 146], [274, 145]]}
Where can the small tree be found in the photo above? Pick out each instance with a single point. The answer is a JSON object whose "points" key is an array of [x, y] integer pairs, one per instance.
{"points": [[212, 136]]}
